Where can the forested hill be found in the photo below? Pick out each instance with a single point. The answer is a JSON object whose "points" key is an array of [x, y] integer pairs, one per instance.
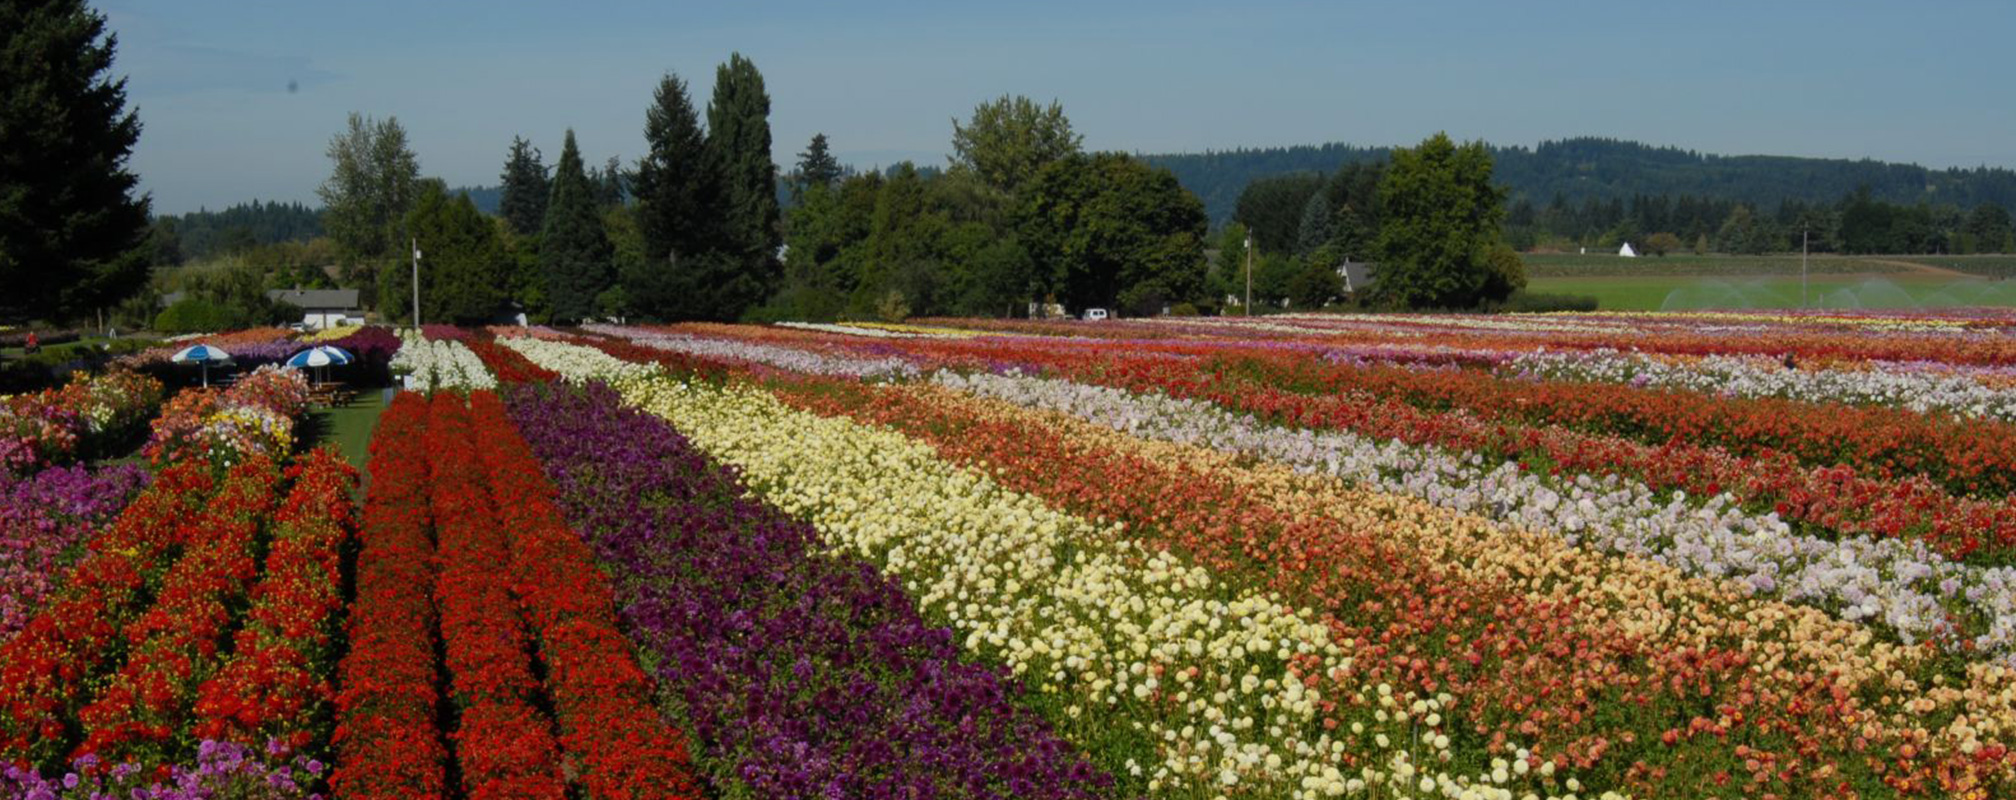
{"points": [[1606, 169]]}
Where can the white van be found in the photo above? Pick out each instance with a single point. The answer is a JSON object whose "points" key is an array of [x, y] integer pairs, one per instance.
{"points": [[1095, 314]]}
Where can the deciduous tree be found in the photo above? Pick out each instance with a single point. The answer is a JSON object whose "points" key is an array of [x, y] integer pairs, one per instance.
{"points": [[1009, 139], [1440, 222]]}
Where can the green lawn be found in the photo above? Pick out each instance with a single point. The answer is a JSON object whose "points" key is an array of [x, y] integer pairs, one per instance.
{"points": [[348, 427], [1680, 293], [1575, 265]]}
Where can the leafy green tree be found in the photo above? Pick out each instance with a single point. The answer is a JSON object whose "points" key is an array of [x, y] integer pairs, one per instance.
{"points": [[1741, 233], [738, 143], [1661, 243], [464, 269], [677, 215], [1989, 226], [1441, 217], [1009, 139], [526, 189], [1317, 225], [816, 166], [1272, 209], [1316, 283], [371, 187], [72, 233], [574, 251], [1100, 225]]}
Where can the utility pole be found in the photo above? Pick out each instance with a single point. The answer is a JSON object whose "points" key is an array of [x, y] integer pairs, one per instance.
{"points": [[1802, 266], [1249, 274], [416, 283]]}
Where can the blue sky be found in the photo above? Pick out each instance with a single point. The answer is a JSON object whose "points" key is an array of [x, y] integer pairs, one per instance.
{"points": [[1928, 83]]}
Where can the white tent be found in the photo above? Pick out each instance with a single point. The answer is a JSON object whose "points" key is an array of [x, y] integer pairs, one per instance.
{"points": [[1626, 251]]}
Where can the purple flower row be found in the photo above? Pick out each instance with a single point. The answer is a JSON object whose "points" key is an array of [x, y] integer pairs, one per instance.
{"points": [[222, 770], [44, 519], [801, 674]]}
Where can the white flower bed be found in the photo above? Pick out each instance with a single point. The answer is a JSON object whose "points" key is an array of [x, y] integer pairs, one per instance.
{"points": [[787, 358], [440, 365], [1922, 389]]}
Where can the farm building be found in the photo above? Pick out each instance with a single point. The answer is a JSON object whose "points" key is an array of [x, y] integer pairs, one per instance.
{"points": [[322, 308], [1357, 275]]}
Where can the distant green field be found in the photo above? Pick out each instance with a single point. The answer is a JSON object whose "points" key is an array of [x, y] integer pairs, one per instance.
{"points": [[1680, 293], [1575, 265], [1988, 266]]}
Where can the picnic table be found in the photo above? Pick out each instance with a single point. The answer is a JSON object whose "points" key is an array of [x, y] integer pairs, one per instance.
{"points": [[331, 393]]}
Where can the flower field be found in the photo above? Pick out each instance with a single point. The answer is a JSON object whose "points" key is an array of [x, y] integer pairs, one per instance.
{"points": [[1599, 555]]}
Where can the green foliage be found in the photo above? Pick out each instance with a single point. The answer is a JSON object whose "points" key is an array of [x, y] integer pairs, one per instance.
{"points": [[1989, 228], [816, 166], [464, 268], [196, 315], [200, 235], [1317, 224], [1659, 244], [1010, 139], [71, 230], [220, 299], [371, 187], [574, 250], [1441, 216], [526, 189], [745, 270], [677, 216], [1314, 284], [1272, 209], [1096, 226]]}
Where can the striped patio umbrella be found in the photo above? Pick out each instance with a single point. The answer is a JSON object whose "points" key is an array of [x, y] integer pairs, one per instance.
{"points": [[202, 354]]}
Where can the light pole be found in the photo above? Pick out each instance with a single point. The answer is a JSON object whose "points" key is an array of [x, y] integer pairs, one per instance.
{"points": [[416, 283], [1802, 266], [1249, 274]]}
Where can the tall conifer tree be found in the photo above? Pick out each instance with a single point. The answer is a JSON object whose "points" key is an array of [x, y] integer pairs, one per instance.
{"points": [[574, 251], [71, 229], [526, 189], [738, 141]]}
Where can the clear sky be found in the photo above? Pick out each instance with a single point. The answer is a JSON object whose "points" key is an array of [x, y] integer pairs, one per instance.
{"points": [[1928, 82]]}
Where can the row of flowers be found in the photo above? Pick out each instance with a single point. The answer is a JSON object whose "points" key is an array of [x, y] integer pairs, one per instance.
{"points": [[85, 418], [803, 674], [792, 359], [440, 364], [1899, 584], [1973, 456], [507, 581], [45, 520], [1921, 388], [1176, 683], [255, 417], [1464, 605]]}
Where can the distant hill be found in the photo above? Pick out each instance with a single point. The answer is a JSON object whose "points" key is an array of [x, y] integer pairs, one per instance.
{"points": [[1606, 169]]}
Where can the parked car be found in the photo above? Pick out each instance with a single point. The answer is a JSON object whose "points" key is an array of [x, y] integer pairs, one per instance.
{"points": [[1095, 314]]}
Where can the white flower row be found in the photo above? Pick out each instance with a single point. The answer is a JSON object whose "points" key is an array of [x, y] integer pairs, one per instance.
{"points": [[1895, 582], [1952, 391], [440, 365], [1124, 639], [852, 330], [787, 358], [575, 360]]}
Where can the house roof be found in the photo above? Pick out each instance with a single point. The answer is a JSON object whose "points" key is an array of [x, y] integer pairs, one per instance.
{"points": [[342, 299], [1357, 275]]}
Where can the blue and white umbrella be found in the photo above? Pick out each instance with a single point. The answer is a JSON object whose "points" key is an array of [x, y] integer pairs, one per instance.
{"points": [[320, 356], [202, 354]]}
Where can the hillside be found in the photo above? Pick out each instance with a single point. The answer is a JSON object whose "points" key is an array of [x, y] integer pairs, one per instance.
{"points": [[1605, 169]]}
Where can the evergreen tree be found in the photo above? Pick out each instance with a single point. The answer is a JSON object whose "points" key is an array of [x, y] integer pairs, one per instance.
{"points": [[574, 251], [816, 166], [1316, 228], [738, 142], [464, 268], [71, 230], [526, 188], [677, 216]]}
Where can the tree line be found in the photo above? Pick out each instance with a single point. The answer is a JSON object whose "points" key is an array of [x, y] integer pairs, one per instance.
{"points": [[1857, 223], [1579, 170]]}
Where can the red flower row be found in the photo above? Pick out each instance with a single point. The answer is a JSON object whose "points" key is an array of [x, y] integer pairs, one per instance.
{"points": [[44, 669], [504, 362], [278, 678], [173, 647], [504, 744], [386, 738], [622, 748]]}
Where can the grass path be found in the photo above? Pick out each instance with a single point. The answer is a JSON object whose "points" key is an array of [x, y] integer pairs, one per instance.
{"points": [[349, 427]]}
